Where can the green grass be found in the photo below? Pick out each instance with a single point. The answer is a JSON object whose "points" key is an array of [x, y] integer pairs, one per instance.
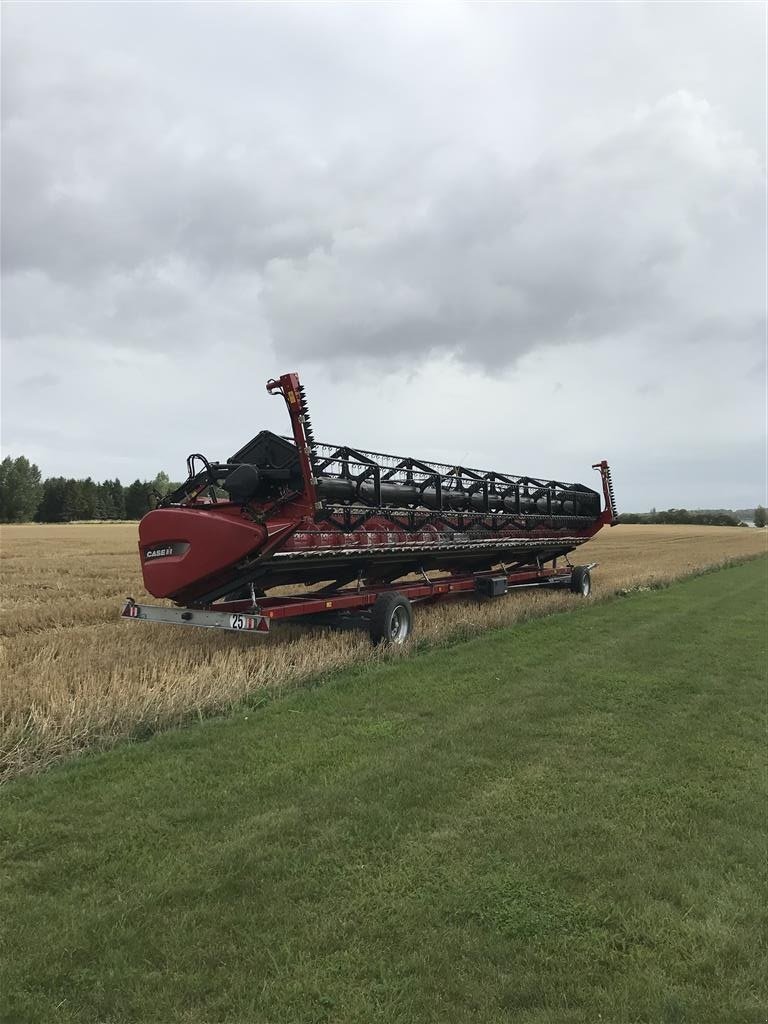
{"points": [[562, 822]]}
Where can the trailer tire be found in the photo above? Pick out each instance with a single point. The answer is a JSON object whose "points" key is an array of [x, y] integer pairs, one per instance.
{"points": [[391, 619], [581, 581]]}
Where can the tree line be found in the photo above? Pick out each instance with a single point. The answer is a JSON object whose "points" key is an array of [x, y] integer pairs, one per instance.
{"points": [[26, 497], [688, 518]]}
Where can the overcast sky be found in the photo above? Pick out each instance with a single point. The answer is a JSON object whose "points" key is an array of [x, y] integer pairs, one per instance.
{"points": [[522, 237]]}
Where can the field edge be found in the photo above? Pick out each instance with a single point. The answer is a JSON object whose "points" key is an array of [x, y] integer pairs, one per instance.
{"points": [[260, 697]]}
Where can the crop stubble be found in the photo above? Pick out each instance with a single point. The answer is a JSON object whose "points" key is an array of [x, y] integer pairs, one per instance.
{"points": [[74, 676]]}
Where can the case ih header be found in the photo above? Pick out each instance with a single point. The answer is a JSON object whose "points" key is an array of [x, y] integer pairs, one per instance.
{"points": [[360, 523]]}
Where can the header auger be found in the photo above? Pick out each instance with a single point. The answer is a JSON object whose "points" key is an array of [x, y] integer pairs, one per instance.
{"points": [[286, 510]]}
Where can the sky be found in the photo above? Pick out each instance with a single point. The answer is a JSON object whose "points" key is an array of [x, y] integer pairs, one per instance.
{"points": [[522, 237]]}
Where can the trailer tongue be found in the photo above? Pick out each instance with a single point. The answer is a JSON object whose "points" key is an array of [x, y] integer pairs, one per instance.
{"points": [[288, 510]]}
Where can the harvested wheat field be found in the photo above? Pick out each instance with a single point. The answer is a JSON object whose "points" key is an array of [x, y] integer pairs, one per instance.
{"points": [[77, 677]]}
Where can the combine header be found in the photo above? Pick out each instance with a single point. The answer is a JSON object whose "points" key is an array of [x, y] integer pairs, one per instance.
{"points": [[371, 533]]}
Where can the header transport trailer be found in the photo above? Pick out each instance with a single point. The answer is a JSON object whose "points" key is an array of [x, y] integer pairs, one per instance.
{"points": [[371, 533]]}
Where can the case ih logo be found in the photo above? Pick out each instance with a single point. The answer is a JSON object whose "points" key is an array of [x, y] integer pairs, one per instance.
{"points": [[158, 552]]}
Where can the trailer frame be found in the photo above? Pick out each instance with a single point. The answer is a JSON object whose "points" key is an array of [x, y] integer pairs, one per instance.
{"points": [[352, 608]]}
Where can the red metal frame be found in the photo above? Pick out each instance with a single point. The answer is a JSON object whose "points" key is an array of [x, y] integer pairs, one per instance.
{"points": [[609, 514], [294, 605], [290, 388]]}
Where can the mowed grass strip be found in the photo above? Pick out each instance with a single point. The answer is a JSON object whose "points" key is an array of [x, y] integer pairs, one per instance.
{"points": [[561, 822]]}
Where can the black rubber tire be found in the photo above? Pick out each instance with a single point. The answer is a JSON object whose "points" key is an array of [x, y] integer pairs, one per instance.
{"points": [[391, 619], [581, 581]]}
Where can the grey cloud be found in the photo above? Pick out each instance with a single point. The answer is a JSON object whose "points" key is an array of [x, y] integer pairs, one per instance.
{"points": [[598, 240], [221, 192], [734, 329], [124, 205], [39, 381]]}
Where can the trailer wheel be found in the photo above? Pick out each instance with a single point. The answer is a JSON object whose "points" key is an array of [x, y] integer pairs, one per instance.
{"points": [[391, 619], [581, 581]]}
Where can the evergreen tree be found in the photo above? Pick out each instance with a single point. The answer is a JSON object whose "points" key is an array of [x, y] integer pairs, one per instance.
{"points": [[75, 505], [760, 516], [106, 501], [6, 489], [20, 489], [90, 492], [137, 502], [51, 508], [118, 498], [60, 499]]}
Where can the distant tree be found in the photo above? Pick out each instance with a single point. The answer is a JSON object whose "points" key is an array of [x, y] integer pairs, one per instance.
{"points": [[51, 508], [63, 500], [20, 489], [162, 483], [6, 489], [760, 516], [91, 504], [75, 501], [104, 507], [137, 499], [680, 517], [118, 498]]}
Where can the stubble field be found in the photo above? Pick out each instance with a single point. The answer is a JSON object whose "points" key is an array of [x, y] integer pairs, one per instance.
{"points": [[76, 677]]}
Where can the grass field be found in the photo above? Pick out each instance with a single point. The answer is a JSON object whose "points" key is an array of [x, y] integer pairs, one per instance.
{"points": [[75, 677], [560, 823]]}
